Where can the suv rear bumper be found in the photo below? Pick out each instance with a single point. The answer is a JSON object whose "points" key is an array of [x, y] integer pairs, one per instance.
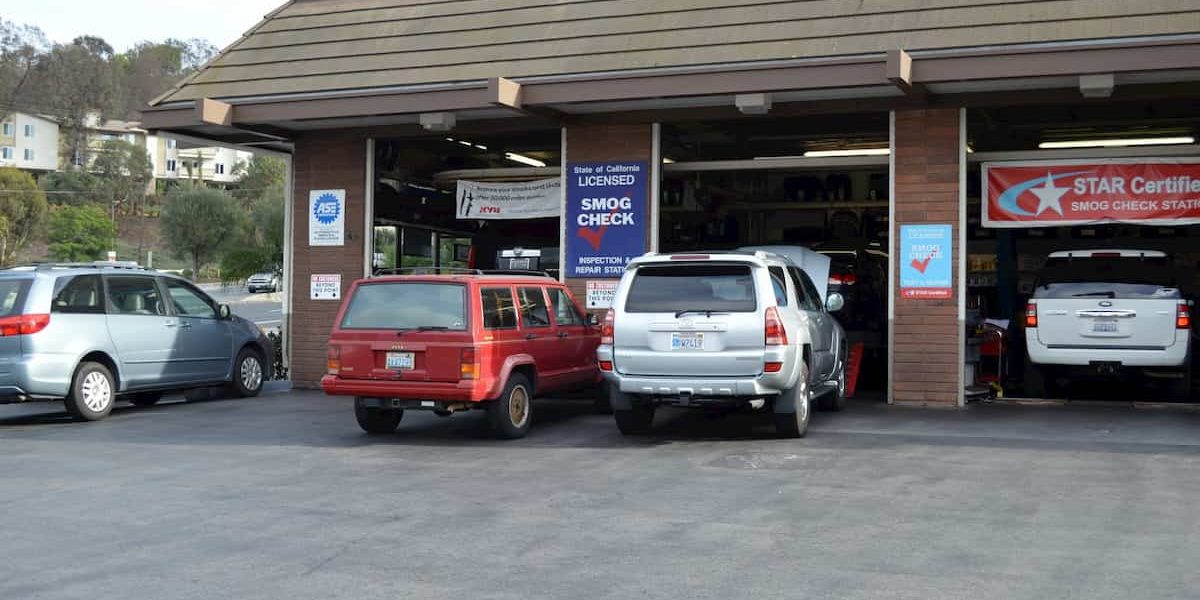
{"points": [[461, 391], [715, 387], [1175, 355]]}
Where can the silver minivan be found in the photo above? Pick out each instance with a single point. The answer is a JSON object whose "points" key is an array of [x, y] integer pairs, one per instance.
{"points": [[722, 330], [88, 333]]}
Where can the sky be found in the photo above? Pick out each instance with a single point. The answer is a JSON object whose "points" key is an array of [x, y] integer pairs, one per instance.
{"points": [[123, 23]]}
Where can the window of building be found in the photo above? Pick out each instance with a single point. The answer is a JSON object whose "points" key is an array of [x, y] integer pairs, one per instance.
{"points": [[77, 158], [171, 166], [220, 169], [8, 129], [6, 153], [29, 154], [28, 130], [171, 144]]}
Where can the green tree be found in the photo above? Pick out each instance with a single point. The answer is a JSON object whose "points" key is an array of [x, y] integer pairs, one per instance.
{"points": [[198, 223], [72, 81], [261, 246], [70, 188], [80, 233], [257, 178], [22, 212], [122, 172]]}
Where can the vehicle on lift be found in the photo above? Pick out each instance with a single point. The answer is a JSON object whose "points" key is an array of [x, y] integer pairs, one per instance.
{"points": [[721, 331], [88, 333], [1108, 312], [459, 341], [860, 275]]}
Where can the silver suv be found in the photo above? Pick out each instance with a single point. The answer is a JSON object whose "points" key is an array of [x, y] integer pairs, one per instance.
{"points": [[88, 333], [723, 330]]}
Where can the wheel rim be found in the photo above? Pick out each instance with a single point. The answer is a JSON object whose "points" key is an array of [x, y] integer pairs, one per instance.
{"points": [[518, 406], [802, 409], [251, 373], [97, 391]]}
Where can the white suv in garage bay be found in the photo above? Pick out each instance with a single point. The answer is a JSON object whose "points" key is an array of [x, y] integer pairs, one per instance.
{"points": [[721, 330], [1108, 311]]}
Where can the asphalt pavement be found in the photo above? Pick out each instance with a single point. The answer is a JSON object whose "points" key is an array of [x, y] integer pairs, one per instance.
{"points": [[284, 497], [263, 309]]}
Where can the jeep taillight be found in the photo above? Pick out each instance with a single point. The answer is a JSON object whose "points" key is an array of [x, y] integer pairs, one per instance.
{"points": [[1031, 315], [1183, 317], [775, 333], [467, 369], [333, 360], [606, 330], [23, 324]]}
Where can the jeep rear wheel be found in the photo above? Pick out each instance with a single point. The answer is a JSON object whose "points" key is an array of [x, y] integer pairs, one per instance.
{"points": [[511, 415], [375, 420]]}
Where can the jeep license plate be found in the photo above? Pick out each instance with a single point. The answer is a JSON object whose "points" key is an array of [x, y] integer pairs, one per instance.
{"points": [[1105, 326], [687, 341], [400, 361]]}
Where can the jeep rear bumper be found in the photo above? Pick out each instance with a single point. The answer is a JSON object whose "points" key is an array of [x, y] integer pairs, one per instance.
{"points": [[459, 391]]}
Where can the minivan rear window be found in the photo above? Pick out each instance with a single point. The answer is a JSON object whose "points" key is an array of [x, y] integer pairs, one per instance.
{"points": [[12, 295], [696, 287], [1104, 277], [433, 306]]}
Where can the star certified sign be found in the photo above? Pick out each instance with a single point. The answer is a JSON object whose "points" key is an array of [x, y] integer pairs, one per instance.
{"points": [[1061, 193], [327, 218]]}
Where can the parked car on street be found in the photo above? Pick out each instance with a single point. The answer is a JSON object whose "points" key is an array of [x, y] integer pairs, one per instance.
{"points": [[723, 331], [1108, 312], [266, 281], [88, 333], [451, 343]]}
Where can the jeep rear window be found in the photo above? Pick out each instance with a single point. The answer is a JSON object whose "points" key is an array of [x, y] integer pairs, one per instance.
{"points": [[1105, 277], [695, 287], [12, 295], [433, 306]]}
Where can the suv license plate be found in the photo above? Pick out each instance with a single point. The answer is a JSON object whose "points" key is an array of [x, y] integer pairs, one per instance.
{"points": [[400, 361], [1105, 326], [687, 341]]}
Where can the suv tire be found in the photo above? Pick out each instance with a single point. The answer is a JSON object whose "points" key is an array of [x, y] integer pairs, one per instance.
{"points": [[600, 402], [93, 392], [247, 374], [835, 401], [1181, 389], [376, 421], [638, 420], [511, 415], [145, 398], [794, 424]]}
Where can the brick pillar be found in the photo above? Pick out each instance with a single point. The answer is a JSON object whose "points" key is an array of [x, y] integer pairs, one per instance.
{"points": [[323, 163], [602, 143], [927, 334]]}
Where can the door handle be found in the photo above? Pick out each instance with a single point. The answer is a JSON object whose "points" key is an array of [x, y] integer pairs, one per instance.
{"points": [[170, 324], [185, 325], [563, 334], [531, 336]]}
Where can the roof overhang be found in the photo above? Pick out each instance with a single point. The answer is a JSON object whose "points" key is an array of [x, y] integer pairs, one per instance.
{"points": [[885, 81]]}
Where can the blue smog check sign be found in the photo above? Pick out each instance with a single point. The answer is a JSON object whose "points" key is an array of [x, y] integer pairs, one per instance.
{"points": [[327, 218], [606, 217]]}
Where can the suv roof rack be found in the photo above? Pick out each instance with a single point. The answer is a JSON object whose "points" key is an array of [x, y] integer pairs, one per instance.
{"points": [[429, 271], [518, 272], [99, 264]]}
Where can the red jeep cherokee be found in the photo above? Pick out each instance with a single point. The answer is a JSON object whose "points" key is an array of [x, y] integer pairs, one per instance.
{"points": [[449, 343]]}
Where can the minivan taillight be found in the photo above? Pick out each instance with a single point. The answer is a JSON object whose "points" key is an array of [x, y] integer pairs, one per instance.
{"points": [[775, 333], [1183, 317], [606, 330], [333, 360], [23, 324], [1031, 315], [466, 364]]}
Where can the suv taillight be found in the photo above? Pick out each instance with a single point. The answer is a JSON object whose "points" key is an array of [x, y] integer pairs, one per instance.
{"points": [[333, 360], [775, 333], [1183, 317], [606, 330], [1031, 314], [466, 364], [23, 324]]}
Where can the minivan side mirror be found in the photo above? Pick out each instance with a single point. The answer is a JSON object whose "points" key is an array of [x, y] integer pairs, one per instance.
{"points": [[593, 320], [835, 302], [224, 312]]}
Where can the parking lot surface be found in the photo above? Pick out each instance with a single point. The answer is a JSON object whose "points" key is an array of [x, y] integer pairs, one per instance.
{"points": [[284, 497]]}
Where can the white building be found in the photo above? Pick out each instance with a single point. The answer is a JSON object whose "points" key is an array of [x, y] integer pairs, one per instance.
{"points": [[29, 142], [169, 159]]}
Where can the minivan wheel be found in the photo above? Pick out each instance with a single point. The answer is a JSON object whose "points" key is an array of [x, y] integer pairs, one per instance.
{"points": [[247, 374], [92, 392], [794, 424], [375, 420], [637, 421], [145, 398], [511, 414]]}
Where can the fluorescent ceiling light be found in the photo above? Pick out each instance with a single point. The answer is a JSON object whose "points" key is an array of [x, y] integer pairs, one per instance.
{"points": [[1117, 143], [668, 161], [525, 160], [852, 152]]}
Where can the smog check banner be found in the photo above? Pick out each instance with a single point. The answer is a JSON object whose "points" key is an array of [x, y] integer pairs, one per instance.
{"points": [[606, 217], [1148, 191]]}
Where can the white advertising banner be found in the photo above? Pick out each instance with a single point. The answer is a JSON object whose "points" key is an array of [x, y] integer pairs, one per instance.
{"points": [[526, 200], [327, 218], [325, 287]]}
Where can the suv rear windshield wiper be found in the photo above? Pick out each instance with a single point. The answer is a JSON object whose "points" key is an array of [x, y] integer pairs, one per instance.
{"points": [[422, 328], [707, 313], [1096, 295]]}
